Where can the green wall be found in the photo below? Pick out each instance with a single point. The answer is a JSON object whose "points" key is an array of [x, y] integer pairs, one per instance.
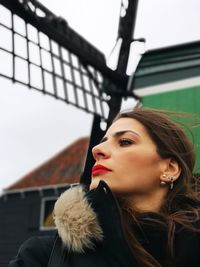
{"points": [[187, 100]]}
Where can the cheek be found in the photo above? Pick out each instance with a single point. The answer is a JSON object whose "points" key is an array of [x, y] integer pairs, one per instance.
{"points": [[143, 158]]}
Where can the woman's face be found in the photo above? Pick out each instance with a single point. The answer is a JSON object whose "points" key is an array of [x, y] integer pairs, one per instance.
{"points": [[126, 159]]}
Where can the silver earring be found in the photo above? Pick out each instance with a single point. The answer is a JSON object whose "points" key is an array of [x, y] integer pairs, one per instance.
{"points": [[162, 183], [171, 182], [171, 178]]}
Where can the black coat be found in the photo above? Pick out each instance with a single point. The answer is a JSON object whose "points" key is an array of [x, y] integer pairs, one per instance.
{"points": [[95, 236]]}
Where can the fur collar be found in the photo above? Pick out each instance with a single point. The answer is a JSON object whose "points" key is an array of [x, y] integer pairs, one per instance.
{"points": [[76, 221]]}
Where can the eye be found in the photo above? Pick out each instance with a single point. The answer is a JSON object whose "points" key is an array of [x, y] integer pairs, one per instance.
{"points": [[125, 142]]}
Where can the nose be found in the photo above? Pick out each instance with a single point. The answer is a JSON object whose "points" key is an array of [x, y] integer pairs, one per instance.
{"points": [[100, 151]]}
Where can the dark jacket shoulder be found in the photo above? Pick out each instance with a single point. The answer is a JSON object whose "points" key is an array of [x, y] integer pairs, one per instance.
{"points": [[34, 252]]}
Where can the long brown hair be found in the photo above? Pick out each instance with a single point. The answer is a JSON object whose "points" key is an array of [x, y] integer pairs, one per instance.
{"points": [[179, 204]]}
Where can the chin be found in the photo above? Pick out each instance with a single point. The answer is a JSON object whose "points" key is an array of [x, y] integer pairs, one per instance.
{"points": [[94, 183]]}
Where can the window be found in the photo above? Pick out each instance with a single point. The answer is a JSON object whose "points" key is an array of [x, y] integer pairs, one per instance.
{"points": [[46, 217]]}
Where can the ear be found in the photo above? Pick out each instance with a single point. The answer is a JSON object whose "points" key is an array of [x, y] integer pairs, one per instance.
{"points": [[172, 170]]}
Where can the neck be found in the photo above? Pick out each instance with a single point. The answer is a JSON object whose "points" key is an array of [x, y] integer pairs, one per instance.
{"points": [[147, 203]]}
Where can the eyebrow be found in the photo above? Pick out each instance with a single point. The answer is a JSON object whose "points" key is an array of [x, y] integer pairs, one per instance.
{"points": [[120, 133]]}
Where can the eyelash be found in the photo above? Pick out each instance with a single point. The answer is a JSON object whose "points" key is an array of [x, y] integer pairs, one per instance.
{"points": [[125, 142]]}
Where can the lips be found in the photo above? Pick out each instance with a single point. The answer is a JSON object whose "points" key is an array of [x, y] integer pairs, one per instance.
{"points": [[99, 169]]}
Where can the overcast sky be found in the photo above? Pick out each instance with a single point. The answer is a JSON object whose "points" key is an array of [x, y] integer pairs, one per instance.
{"points": [[34, 127]]}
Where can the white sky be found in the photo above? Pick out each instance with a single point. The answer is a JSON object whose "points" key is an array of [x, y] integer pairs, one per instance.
{"points": [[34, 127]]}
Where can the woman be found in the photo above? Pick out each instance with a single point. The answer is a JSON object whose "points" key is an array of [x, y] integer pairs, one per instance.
{"points": [[140, 210]]}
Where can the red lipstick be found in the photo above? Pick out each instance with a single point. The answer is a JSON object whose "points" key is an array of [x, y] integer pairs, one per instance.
{"points": [[99, 169]]}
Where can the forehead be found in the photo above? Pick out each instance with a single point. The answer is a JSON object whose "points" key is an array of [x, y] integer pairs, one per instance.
{"points": [[124, 124]]}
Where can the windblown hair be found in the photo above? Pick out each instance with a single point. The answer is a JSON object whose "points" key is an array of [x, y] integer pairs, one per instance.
{"points": [[180, 205]]}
